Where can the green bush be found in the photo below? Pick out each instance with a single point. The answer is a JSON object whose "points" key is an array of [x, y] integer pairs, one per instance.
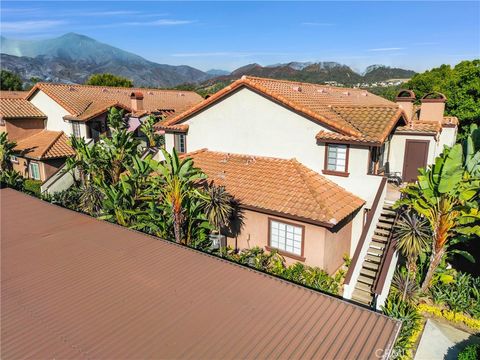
{"points": [[471, 352], [406, 312], [12, 179], [32, 186], [461, 295], [274, 263]]}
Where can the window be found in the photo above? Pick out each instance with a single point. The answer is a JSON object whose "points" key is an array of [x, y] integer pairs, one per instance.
{"points": [[336, 159], [34, 171], [286, 237], [14, 159], [76, 129], [180, 143]]}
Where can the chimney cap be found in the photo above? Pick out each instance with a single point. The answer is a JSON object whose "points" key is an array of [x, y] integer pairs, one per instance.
{"points": [[405, 95], [136, 95], [433, 97]]}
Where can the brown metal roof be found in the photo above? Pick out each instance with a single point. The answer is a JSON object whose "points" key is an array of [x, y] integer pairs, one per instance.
{"points": [[76, 287]]}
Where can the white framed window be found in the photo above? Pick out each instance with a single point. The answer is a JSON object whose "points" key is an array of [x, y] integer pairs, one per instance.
{"points": [[337, 158], [14, 159], [180, 143], [76, 129], [286, 237], [34, 171]]}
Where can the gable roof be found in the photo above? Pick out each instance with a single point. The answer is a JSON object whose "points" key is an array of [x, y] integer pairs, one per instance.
{"points": [[284, 187], [84, 102], [45, 144], [6, 94], [76, 287], [18, 108], [340, 109]]}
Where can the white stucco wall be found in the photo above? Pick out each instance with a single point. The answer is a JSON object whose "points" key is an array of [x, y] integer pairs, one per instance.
{"points": [[397, 151], [54, 112], [248, 123], [448, 137]]}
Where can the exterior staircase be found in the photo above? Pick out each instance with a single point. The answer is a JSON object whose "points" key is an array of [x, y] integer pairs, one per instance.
{"points": [[364, 288]]}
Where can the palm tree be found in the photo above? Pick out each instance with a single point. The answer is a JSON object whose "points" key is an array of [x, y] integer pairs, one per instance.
{"points": [[411, 235], [447, 196], [218, 206], [6, 150], [177, 181]]}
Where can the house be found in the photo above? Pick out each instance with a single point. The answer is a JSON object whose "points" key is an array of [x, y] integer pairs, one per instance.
{"points": [[286, 206], [50, 113], [76, 287], [349, 136], [81, 110]]}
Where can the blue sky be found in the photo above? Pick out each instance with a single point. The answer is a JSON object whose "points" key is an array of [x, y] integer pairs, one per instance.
{"points": [[226, 35]]}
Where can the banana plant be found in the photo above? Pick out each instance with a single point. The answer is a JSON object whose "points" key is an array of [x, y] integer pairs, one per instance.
{"points": [[447, 196], [6, 150]]}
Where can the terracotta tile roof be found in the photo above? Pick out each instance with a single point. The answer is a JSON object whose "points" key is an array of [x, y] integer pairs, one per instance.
{"points": [[74, 287], [17, 108], [282, 186], [318, 102], [450, 121], [416, 126], [85, 101], [45, 145], [4, 94]]}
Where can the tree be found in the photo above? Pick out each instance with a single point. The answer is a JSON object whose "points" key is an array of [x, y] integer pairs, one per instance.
{"points": [[178, 178], [108, 80], [461, 86], [218, 206], [411, 235], [154, 139], [447, 196], [10, 81], [6, 150]]}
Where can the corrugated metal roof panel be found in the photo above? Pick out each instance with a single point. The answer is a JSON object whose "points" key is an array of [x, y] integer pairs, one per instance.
{"points": [[76, 287]]}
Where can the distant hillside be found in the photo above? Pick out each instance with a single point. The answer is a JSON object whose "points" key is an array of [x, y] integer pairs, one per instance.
{"points": [[321, 72], [73, 58]]}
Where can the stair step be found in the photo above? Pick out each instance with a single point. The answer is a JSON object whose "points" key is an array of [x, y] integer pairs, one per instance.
{"points": [[368, 272], [371, 266], [379, 238], [386, 219], [367, 280], [373, 258], [363, 287], [387, 211], [382, 232], [384, 226], [378, 244], [362, 297], [373, 251]]}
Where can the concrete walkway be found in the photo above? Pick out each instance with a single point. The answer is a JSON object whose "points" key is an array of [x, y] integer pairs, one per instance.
{"points": [[441, 341]]}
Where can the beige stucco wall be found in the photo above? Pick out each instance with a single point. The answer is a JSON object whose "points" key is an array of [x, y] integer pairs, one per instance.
{"points": [[448, 137], [22, 168], [22, 128], [322, 248]]}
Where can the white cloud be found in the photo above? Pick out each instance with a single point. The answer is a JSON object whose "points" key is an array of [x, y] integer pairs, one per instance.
{"points": [[387, 49], [30, 25]]}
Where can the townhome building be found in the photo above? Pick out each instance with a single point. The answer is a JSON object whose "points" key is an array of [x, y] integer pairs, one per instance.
{"points": [[41, 120], [298, 154]]}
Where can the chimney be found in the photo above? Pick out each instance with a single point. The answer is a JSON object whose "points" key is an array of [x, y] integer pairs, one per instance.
{"points": [[405, 99], [137, 100], [433, 107]]}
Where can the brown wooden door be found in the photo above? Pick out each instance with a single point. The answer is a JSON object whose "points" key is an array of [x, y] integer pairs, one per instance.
{"points": [[416, 152]]}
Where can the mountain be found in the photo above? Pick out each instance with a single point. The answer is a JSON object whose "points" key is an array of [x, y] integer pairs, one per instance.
{"points": [[217, 72], [318, 72], [73, 58], [375, 73]]}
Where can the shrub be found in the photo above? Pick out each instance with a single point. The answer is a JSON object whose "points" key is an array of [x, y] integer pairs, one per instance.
{"points": [[68, 198], [471, 352], [11, 178], [411, 319], [32, 186]]}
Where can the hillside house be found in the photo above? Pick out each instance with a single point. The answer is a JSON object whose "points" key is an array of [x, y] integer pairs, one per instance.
{"points": [[349, 137]]}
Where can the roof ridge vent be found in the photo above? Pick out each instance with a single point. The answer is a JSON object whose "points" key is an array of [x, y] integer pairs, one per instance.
{"points": [[251, 160], [297, 88], [71, 88], [225, 158], [104, 90], [364, 93], [347, 93], [322, 90]]}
